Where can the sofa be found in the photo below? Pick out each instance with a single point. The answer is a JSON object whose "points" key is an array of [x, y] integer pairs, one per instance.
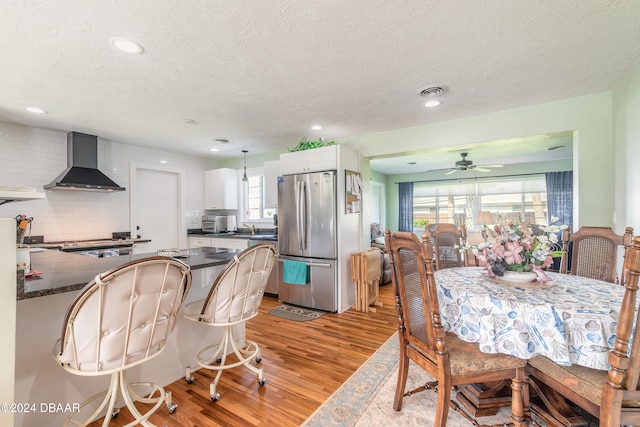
{"points": [[377, 241]]}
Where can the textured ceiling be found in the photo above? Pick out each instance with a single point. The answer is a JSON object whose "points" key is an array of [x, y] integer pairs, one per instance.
{"points": [[260, 73]]}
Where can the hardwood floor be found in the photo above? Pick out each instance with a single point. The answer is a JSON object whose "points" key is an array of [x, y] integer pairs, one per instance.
{"points": [[304, 363]]}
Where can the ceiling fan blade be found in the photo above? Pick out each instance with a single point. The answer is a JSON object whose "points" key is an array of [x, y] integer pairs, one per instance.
{"points": [[490, 166], [451, 171], [481, 169]]}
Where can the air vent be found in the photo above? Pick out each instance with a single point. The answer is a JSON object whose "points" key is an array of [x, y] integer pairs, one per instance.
{"points": [[432, 91]]}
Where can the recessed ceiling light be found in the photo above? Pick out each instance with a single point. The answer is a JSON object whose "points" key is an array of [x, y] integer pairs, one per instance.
{"points": [[213, 149], [190, 121], [431, 104], [555, 148], [35, 110], [126, 45], [163, 161], [316, 127]]}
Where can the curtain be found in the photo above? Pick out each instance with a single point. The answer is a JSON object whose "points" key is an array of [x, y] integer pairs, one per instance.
{"points": [[405, 213], [560, 196], [560, 204]]}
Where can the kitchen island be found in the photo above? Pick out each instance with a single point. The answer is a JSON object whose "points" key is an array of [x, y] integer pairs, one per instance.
{"points": [[65, 272], [41, 307]]}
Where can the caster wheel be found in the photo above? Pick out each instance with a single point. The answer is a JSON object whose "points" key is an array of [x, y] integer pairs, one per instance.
{"points": [[115, 413], [215, 397], [189, 380], [262, 382], [258, 359], [172, 408], [218, 360]]}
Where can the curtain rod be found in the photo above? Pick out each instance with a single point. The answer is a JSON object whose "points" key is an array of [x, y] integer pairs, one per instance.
{"points": [[474, 178]]}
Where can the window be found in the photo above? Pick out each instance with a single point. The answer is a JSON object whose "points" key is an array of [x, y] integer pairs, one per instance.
{"points": [[513, 198], [253, 197]]}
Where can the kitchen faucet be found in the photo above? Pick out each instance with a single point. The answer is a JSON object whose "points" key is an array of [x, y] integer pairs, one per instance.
{"points": [[250, 227]]}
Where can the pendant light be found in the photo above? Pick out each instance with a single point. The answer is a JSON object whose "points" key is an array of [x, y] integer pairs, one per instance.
{"points": [[244, 175]]}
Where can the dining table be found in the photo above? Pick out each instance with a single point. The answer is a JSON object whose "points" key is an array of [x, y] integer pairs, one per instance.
{"points": [[570, 319]]}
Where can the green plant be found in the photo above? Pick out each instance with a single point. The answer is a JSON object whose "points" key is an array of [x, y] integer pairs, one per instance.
{"points": [[304, 144], [420, 223]]}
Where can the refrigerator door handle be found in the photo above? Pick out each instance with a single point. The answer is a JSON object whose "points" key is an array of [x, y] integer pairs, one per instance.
{"points": [[311, 264], [298, 213], [304, 214], [318, 264]]}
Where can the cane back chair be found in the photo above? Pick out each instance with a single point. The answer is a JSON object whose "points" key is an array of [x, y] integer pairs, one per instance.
{"points": [[447, 240], [593, 252], [444, 356], [612, 396], [119, 320], [233, 299]]}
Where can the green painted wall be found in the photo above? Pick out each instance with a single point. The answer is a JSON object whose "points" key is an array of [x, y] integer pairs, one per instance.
{"points": [[588, 117], [378, 177], [626, 131]]}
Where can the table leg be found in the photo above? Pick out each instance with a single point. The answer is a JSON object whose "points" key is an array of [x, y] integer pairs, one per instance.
{"points": [[520, 413], [484, 399]]}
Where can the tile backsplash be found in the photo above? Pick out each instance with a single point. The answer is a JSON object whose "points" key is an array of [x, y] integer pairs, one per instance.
{"points": [[34, 157]]}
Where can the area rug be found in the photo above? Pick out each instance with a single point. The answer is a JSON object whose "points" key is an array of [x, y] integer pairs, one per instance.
{"points": [[297, 314], [366, 398]]}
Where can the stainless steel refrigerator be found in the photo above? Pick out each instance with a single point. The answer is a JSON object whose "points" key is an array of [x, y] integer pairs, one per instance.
{"points": [[307, 232]]}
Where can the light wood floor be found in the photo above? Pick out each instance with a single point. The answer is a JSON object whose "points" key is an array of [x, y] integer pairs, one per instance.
{"points": [[304, 363]]}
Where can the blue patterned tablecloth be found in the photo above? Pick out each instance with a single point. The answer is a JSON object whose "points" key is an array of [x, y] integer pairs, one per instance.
{"points": [[572, 322]]}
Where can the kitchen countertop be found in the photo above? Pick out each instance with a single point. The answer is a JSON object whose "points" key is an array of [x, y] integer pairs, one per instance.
{"points": [[66, 272], [112, 242], [266, 234]]}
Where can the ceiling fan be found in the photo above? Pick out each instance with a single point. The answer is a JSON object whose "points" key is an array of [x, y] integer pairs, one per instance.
{"points": [[464, 165]]}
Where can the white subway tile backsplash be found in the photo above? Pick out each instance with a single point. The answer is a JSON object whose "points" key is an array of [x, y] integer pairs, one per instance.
{"points": [[34, 157]]}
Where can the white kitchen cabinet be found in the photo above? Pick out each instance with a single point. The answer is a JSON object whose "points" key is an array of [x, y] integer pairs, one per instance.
{"points": [[234, 243], [199, 242], [271, 174], [221, 189], [316, 159]]}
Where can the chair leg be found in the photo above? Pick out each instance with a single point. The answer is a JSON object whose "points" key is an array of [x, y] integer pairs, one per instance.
{"points": [[117, 386], [442, 408], [130, 396], [110, 399], [403, 371], [245, 353]]}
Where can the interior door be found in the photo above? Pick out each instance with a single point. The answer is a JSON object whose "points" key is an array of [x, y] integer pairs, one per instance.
{"points": [[157, 207]]}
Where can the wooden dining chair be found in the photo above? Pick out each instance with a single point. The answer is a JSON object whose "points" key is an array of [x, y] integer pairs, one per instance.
{"points": [[444, 356], [447, 240], [612, 396], [593, 252]]}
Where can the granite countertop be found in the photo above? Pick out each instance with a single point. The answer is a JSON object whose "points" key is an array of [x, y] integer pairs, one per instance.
{"points": [[261, 234], [66, 272]]}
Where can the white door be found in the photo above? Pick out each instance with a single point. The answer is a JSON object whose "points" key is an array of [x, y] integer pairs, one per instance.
{"points": [[157, 206]]}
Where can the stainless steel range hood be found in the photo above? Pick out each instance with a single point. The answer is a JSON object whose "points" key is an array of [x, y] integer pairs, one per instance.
{"points": [[82, 167]]}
